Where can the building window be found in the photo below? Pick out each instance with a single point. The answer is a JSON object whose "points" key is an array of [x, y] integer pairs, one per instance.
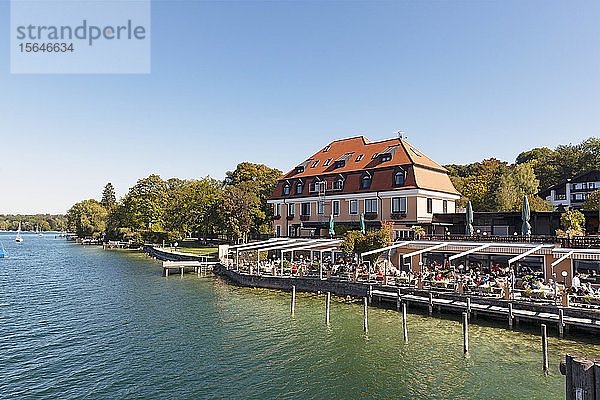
{"points": [[305, 210], [339, 164], [338, 184], [277, 230], [326, 149], [299, 187], [299, 169], [386, 157], [291, 231], [286, 189], [291, 210], [371, 206], [399, 178], [359, 157], [327, 162], [374, 156], [277, 210], [399, 205], [591, 185], [353, 207], [365, 181], [445, 206], [320, 207], [315, 163], [429, 206], [335, 205]]}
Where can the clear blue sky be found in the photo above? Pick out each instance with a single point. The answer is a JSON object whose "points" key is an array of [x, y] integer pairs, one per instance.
{"points": [[271, 82]]}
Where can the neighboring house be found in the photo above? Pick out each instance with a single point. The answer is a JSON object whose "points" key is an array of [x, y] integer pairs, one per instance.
{"points": [[388, 180], [573, 192]]}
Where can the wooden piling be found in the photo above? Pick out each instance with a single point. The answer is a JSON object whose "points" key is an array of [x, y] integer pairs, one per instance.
{"points": [[510, 315], [399, 299], [293, 307], [545, 349], [582, 378], [469, 307], [430, 303], [404, 325], [181, 269], [561, 323], [327, 307], [465, 334], [365, 316], [370, 294], [166, 272]]}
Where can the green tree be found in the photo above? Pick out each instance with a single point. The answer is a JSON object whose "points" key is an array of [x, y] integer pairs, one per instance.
{"points": [[259, 180], [109, 199], [593, 202], [87, 218], [193, 207], [517, 181], [572, 223], [145, 204], [239, 210]]}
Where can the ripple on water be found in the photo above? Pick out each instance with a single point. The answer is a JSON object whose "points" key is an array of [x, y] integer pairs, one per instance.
{"points": [[79, 322]]}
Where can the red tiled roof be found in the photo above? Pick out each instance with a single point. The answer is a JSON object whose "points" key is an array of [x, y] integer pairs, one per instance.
{"points": [[402, 152], [359, 154]]}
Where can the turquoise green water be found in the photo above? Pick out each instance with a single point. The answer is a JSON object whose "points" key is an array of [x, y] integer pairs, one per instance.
{"points": [[80, 322]]}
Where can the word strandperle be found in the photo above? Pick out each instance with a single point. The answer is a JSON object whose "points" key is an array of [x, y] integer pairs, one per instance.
{"points": [[84, 31]]}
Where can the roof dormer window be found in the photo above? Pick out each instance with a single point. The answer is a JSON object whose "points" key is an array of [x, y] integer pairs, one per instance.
{"points": [[327, 162], [359, 157], [365, 180], [385, 157], [339, 164], [338, 184], [326, 149], [399, 177], [315, 163], [299, 187], [286, 188], [299, 169], [374, 156]]}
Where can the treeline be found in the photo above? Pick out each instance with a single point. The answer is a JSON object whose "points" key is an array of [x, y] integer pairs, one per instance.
{"points": [[155, 209], [42, 222], [494, 185]]}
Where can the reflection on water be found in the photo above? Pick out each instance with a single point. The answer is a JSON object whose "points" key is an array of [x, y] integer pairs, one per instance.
{"points": [[79, 321]]}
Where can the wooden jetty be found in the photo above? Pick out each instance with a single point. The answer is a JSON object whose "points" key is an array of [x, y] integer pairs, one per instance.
{"points": [[502, 310], [200, 268]]}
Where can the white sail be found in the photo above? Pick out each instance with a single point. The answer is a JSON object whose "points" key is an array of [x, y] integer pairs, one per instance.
{"points": [[19, 238]]}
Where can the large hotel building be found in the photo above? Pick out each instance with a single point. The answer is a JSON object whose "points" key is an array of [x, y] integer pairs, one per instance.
{"points": [[387, 180]]}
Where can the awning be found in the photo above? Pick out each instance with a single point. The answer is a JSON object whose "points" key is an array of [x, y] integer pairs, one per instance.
{"points": [[426, 250]]}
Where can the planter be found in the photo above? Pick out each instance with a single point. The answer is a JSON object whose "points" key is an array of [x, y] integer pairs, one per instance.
{"points": [[304, 217], [290, 217], [397, 216]]}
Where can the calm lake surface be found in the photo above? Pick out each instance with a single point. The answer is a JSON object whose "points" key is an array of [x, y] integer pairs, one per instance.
{"points": [[79, 322]]}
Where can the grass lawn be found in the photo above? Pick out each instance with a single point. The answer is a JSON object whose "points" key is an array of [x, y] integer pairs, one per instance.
{"points": [[199, 251]]}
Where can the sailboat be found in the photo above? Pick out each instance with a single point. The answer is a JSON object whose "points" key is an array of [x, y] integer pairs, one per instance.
{"points": [[19, 238]]}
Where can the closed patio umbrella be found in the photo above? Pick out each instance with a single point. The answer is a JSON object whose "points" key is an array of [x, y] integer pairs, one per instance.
{"points": [[363, 230], [525, 215], [469, 218], [331, 226]]}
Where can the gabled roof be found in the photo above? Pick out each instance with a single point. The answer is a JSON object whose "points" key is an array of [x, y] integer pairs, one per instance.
{"points": [[587, 176], [358, 153]]}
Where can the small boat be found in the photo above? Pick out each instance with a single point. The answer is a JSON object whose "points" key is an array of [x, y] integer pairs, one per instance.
{"points": [[2, 250], [19, 238]]}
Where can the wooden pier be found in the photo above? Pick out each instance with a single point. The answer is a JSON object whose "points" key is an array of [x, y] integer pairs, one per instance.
{"points": [[200, 268], [506, 312]]}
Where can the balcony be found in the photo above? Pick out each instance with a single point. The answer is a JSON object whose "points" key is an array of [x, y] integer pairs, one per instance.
{"points": [[397, 216]]}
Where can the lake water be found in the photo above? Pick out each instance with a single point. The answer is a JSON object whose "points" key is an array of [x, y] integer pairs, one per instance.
{"points": [[80, 322]]}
